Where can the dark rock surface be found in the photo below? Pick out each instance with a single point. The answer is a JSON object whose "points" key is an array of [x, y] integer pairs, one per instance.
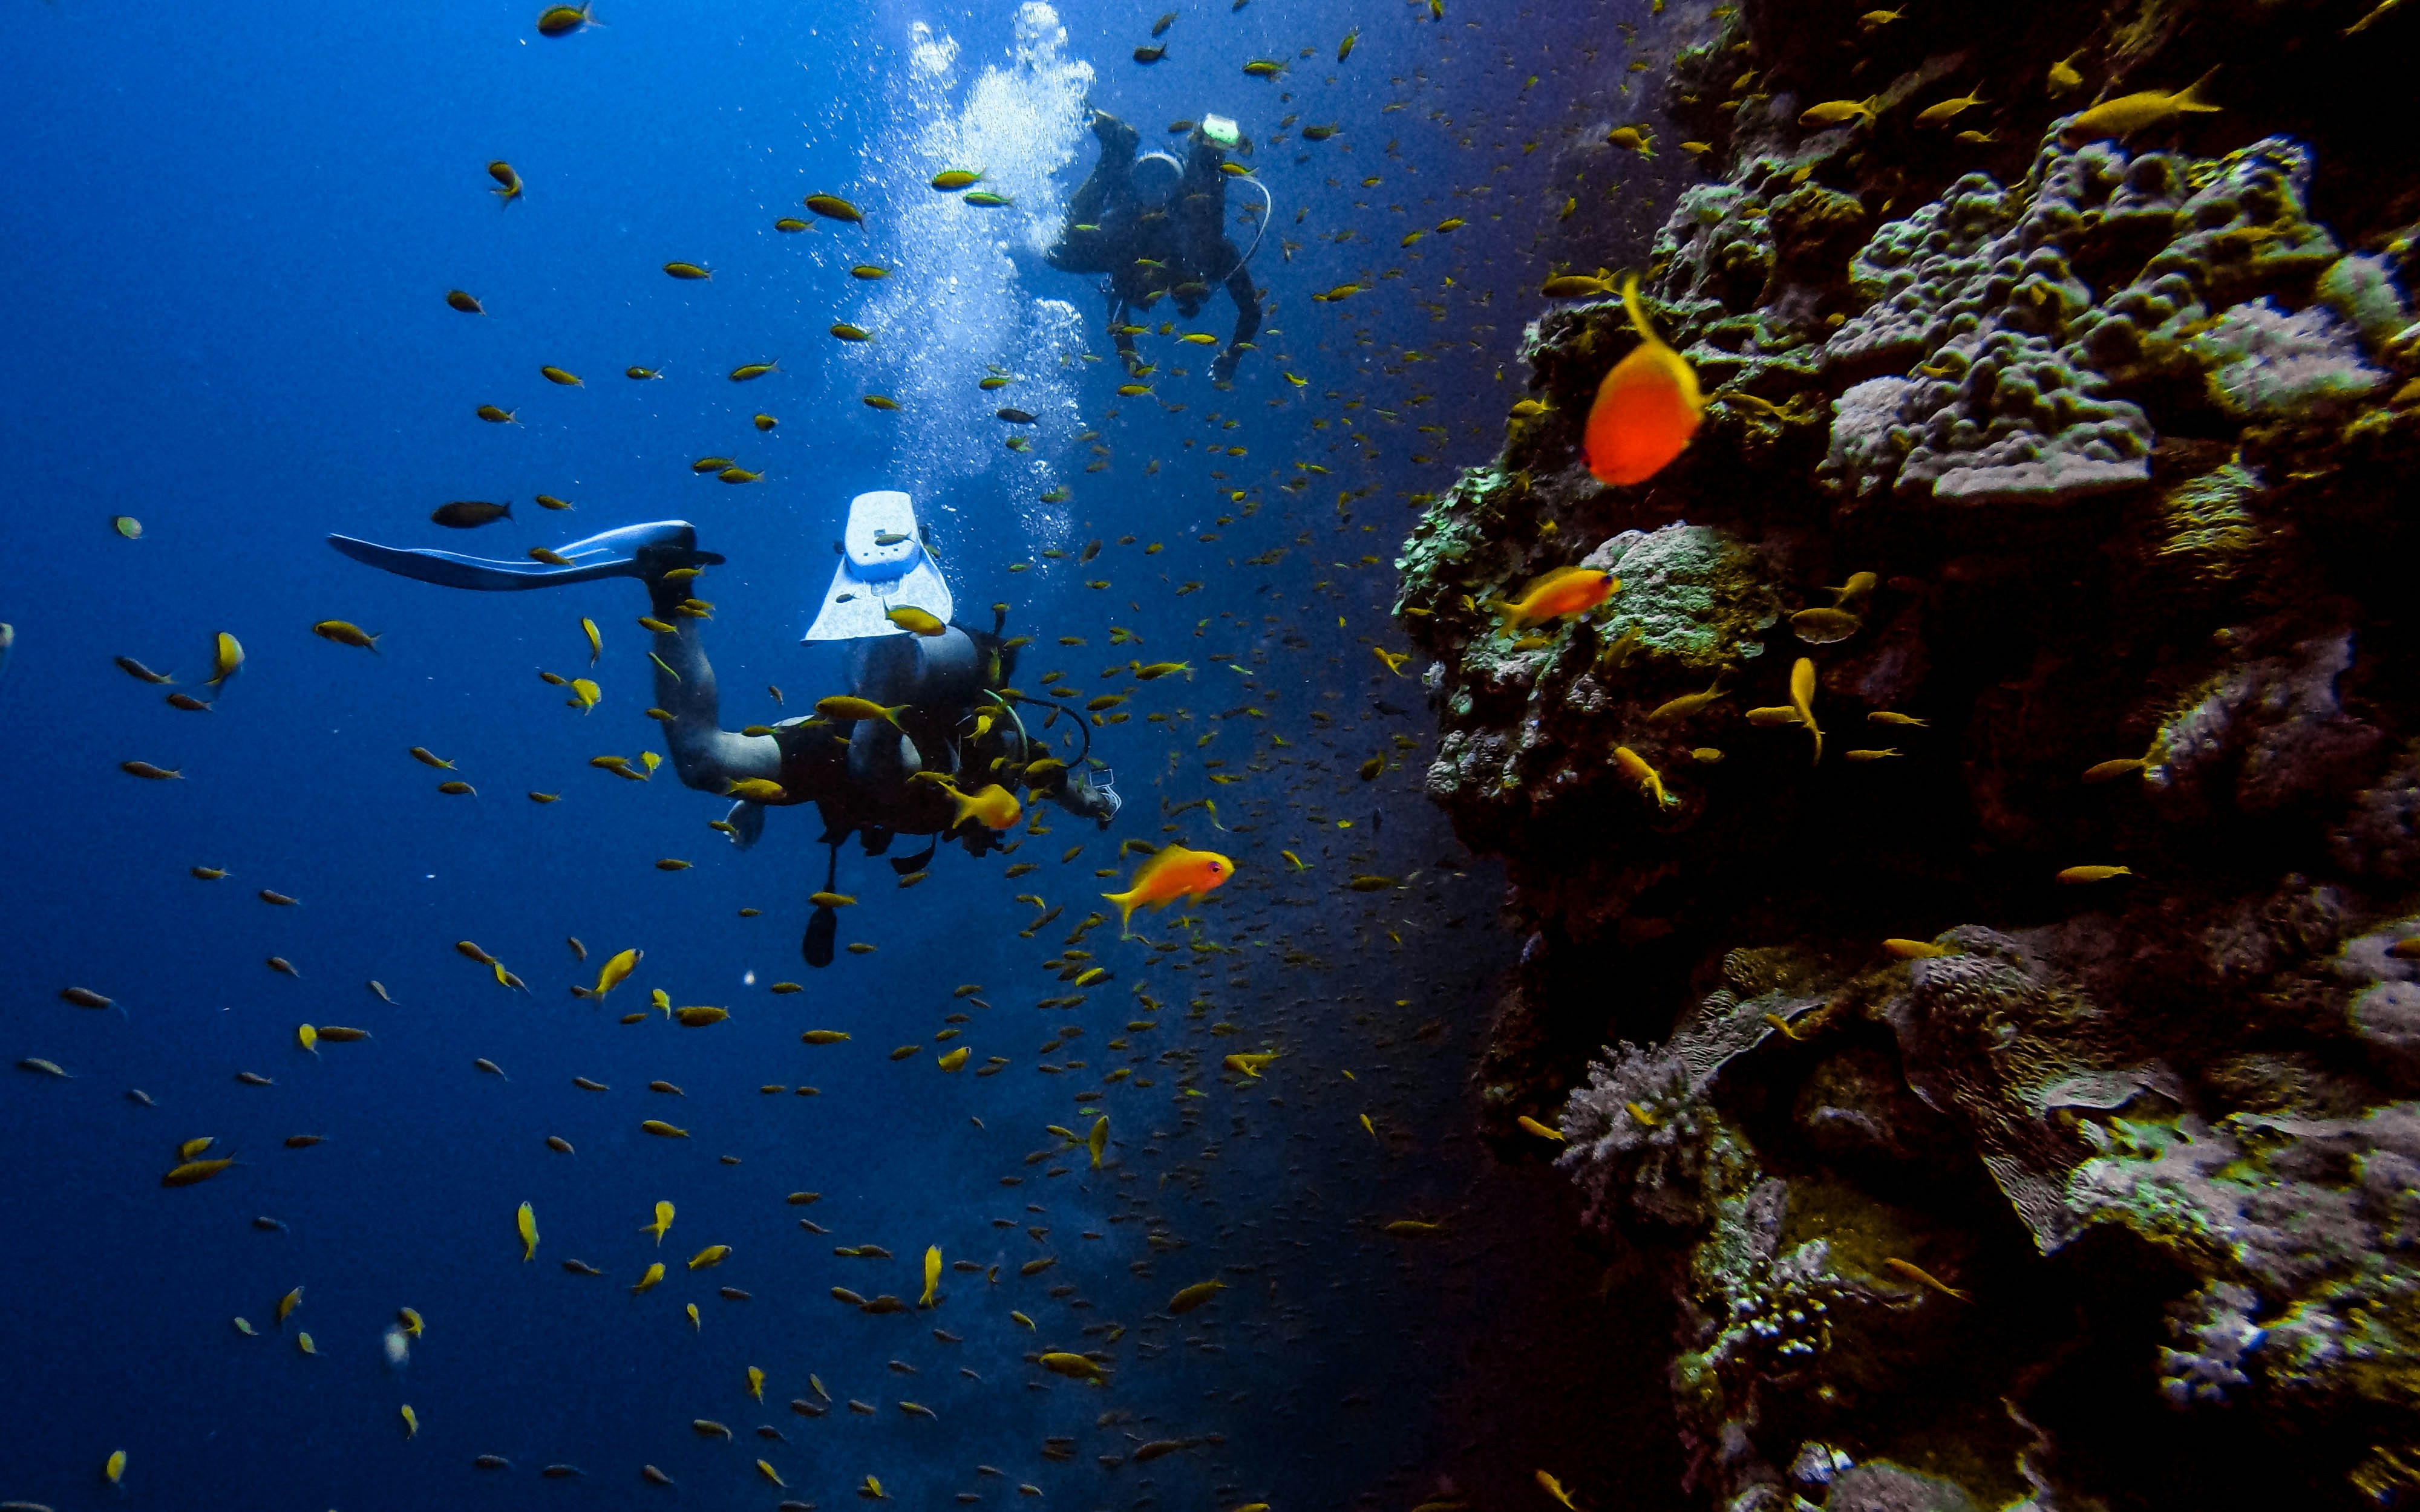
{"points": [[2099, 461]]}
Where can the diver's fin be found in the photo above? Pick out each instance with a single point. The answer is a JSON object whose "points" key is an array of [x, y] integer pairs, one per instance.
{"points": [[884, 565], [907, 865], [747, 821], [632, 552], [822, 925]]}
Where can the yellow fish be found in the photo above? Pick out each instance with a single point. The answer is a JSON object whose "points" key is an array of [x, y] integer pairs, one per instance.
{"points": [[1836, 112], [849, 710], [663, 1222], [1249, 1065], [915, 620], [1188, 1298], [227, 654], [1649, 782], [1935, 115], [615, 969], [1541, 1130], [595, 641], [1686, 705], [755, 1382], [527, 1221], [1099, 1140], [116, 1467], [411, 1422], [1802, 700], [1914, 950], [711, 1256], [655, 1273], [410, 1319], [344, 633], [1554, 1488], [584, 695], [2126, 115], [932, 1276], [992, 806], [2094, 873], [1073, 1367], [286, 1303]]}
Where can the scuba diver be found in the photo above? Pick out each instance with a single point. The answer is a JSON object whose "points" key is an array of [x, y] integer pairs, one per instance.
{"points": [[1158, 228], [937, 763]]}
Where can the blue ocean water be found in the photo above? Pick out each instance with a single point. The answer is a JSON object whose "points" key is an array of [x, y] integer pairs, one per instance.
{"points": [[231, 242]]}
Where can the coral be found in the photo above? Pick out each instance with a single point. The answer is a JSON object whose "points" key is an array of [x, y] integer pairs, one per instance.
{"points": [[2266, 364], [1871, 1054], [2208, 525], [1692, 594], [1882, 1487], [2263, 733], [1993, 1037], [2015, 370], [2360, 290], [2379, 837]]}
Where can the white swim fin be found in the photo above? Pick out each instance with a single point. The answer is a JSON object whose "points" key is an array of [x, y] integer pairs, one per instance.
{"points": [[883, 566]]}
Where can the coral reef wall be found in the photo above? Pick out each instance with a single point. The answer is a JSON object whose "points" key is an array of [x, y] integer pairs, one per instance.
{"points": [[2011, 1074]]}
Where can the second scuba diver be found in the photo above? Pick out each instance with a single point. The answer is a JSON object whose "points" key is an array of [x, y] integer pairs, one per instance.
{"points": [[933, 732], [1158, 228]]}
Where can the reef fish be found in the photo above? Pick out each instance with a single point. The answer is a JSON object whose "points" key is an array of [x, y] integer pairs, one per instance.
{"points": [[1646, 409], [1171, 872], [2126, 115], [1565, 591]]}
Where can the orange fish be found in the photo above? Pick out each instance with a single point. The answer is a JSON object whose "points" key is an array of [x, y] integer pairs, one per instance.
{"points": [[1647, 407], [1561, 591], [1171, 872]]}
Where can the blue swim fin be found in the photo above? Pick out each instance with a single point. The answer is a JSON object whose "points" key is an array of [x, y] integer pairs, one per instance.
{"points": [[638, 551]]}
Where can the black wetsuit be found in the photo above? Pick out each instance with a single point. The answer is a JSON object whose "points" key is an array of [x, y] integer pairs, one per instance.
{"points": [[1178, 250]]}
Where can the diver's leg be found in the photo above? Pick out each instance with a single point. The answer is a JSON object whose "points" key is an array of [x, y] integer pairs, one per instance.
{"points": [[1108, 186], [882, 669], [1247, 320], [706, 756]]}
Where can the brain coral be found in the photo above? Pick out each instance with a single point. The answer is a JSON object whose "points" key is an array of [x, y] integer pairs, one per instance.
{"points": [[2016, 335]]}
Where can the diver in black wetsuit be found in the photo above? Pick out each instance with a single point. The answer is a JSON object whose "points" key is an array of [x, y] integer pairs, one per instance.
{"points": [[1160, 229], [867, 776]]}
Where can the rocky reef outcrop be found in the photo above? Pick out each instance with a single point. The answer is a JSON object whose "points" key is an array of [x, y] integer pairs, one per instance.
{"points": [[2011, 1072]]}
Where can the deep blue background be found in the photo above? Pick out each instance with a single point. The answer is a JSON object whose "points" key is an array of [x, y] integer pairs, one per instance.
{"points": [[228, 242]]}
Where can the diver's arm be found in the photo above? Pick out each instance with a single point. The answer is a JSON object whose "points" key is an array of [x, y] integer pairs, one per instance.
{"points": [[706, 756], [1247, 322]]}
